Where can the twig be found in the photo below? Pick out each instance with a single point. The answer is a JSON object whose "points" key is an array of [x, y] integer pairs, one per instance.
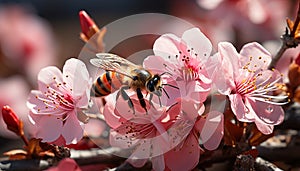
{"points": [[278, 55], [288, 41]]}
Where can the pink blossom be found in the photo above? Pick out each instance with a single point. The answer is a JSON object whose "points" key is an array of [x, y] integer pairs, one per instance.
{"points": [[169, 136], [249, 85], [189, 127], [145, 132], [185, 59], [25, 40], [60, 98]]}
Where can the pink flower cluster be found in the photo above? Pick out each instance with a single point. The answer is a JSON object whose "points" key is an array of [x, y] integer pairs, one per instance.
{"points": [[174, 126]]}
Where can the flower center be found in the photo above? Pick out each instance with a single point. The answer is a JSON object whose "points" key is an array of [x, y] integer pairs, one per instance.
{"points": [[260, 85], [57, 96], [191, 65]]}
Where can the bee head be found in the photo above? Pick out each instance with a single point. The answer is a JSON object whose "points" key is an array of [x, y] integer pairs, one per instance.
{"points": [[154, 85]]}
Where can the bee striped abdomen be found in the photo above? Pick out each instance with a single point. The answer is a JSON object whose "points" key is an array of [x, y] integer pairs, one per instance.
{"points": [[106, 83]]}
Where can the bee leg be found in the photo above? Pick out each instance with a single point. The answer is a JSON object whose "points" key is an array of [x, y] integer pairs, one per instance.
{"points": [[141, 98], [150, 100], [159, 101], [126, 97]]}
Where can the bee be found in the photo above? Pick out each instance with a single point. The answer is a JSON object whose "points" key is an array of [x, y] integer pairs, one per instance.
{"points": [[122, 75]]}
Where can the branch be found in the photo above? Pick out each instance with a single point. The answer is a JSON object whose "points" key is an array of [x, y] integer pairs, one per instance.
{"points": [[21, 165], [82, 157], [289, 40]]}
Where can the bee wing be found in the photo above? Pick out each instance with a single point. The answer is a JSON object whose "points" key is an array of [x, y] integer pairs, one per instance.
{"points": [[112, 62]]}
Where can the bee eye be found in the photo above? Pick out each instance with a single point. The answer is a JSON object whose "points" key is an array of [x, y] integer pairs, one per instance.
{"points": [[150, 86]]}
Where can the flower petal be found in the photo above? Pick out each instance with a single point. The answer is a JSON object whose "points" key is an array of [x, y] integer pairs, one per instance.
{"points": [[167, 46], [263, 127], [137, 162], [111, 118], [72, 130], [121, 140], [213, 130], [243, 112], [186, 157], [268, 113], [49, 76], [48, 127], [156, 64], [255, 56], [197, 40], [230, 59], [158, 162], [76, 76]]}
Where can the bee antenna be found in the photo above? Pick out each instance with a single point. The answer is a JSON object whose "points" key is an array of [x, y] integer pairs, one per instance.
{"points": [[165, 73], [166, 93], [171, 86]]}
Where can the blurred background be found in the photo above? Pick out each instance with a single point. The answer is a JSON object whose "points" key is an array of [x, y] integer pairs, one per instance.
{"points": [[35, 34]]}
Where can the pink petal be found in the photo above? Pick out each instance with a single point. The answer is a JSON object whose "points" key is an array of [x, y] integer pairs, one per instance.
{"points": [[122, 140], [192, 110], [230, 59], [137, 162], [122, 107], [48, 127], [49, 76], [263, 127], [212, 66], [167, 45], [156, 64], [179, 131], [269, 76], [197, 40], [143, 150], [83, 99], [242, 112], [76, 76], [72, 130], [158, 162], [111, 118], [261, 58], [268, 113], [222, 74], [213, 130], [186, 157], [95, 127]]}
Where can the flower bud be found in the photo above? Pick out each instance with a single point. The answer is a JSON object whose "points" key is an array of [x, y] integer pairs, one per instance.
{"points": [[88, 26], [12, 121]]}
